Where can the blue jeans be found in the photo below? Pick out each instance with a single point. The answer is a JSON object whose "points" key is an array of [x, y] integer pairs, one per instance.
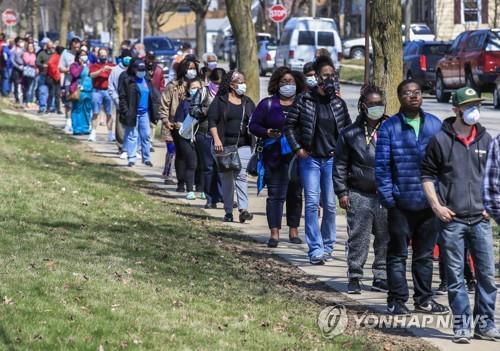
{"points": [[6, 87], [236, 180], [316, 176], [212, 185], [479, 239], [141, 131], [28, 89], [43, 92]]}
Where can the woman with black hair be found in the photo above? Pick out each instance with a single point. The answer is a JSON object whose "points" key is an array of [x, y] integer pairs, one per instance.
{"points": [[173, 95], [355, 186], [200, 103], [267, 123], [310, 76], [228, 117], [81, 109], [312, 129]]}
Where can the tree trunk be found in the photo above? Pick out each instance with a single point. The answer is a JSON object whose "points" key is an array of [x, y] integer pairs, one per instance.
{"points": [[201, 34], [64, 22], [385, 29], [240, 16], [118, 35], [35, 7]]}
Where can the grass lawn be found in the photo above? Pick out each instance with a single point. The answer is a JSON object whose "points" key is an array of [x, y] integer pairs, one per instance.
{"points": [[352, 74], [90, 261]]}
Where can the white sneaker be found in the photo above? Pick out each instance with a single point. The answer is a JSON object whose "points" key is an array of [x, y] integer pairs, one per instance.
{"points": [[68, 129], [138, 155], [123, 156], [111, 137], [92, 136]]}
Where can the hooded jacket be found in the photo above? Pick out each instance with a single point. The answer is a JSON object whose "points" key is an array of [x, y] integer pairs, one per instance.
{"points": [[458, 169]]}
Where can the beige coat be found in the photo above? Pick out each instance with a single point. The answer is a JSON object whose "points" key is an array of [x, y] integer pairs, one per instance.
{"points": [[170, 100]]}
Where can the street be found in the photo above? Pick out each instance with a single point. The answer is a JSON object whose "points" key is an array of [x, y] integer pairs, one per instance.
{"points": [[490, 118]]}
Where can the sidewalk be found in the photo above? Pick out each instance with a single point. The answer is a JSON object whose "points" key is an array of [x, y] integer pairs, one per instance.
{"points": [[332, 273]]}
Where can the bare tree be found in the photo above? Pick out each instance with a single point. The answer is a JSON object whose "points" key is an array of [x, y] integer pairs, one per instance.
{"points": [[64, 22], [240, 16], [385, 29], [156, 13], [35, 6], [200, 8]]}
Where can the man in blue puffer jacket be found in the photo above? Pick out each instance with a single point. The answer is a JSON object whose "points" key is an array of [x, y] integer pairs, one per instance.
{"points": [[401, 145]]}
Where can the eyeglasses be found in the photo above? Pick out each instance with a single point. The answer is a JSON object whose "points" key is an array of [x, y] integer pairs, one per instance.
{"points": [[412, 93]]}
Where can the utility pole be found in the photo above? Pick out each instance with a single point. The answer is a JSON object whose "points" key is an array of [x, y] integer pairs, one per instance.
{"points": [[313, 8], [367, 41], [142, 20], [408, 7]]}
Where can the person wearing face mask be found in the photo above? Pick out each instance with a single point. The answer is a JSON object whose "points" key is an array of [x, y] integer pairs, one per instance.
{"points": [[209, 64], [81, 109], [401, 144], [212, 187], [42, 63], [18, 65], [267, 123], [53, 80], [116, 77], [100, 72], [355, 187], [228, 118], [452, 176], [29, 74], [186, 157], [172, 96], [139, 103], [67, 58], [310, 76], [312, 129]]}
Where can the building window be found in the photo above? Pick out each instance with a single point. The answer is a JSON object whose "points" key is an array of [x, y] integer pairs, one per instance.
{"points": [[471, 11]]}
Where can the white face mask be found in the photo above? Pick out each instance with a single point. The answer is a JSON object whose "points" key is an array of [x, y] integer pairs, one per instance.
{"points": [[311, 81], [212, 65], [471, 115], [375, 112], [288, 90], [241, 89], [191, 74], [84, 59]]}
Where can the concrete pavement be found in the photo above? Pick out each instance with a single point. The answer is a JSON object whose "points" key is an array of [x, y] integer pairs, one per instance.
{"points": [[333, 273]]}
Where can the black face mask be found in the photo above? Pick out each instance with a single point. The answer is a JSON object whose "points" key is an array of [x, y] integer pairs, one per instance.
{"points": [[150, 66], [328, 86], [103, 59]]}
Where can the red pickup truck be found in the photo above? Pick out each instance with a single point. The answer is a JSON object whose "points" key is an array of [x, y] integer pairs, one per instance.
{"points": [[473, 60]]}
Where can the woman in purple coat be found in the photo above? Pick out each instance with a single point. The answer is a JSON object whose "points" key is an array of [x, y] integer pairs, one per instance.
{"points": [[267, 123]]}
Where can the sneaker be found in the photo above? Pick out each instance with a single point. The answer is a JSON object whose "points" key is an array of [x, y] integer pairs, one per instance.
{"points": [[203, 196], [123, 156], [272, 243], [131, 164], [380, 285], [245, 216], [471, 286], [191, 196], [462, 336], [398, 309], [148, 163], [138, 155], [327, 257], [442, 289], [92, 137], [209, 206], [295, 240], [228, 217], [111, 138], [317, 260], [491, 334], [169, 181], [180, 189], [432, 307], [68, 129], [353, 287]]}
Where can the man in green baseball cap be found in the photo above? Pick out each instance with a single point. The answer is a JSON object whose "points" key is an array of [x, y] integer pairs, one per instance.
{"points": [[452, 176]]}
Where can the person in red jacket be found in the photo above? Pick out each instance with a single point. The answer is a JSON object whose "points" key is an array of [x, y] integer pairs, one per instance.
{"points": [[99, 72], [54, 80]]}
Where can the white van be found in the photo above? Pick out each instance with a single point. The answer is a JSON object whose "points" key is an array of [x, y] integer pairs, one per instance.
{"points": [[302, 36]]}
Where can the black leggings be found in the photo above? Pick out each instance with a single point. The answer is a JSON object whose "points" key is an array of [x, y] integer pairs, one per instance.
{"points": [[15, 80], [186, 161], [54, 95]]}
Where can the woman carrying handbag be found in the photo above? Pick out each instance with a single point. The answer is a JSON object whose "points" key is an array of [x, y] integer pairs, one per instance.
{"points": [[228, 118]]}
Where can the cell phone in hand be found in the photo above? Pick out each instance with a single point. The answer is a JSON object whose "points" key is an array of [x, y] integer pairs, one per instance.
{"points": [[277, 131]]}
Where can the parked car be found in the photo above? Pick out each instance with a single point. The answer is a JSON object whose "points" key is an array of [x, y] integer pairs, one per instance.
{"points": [[420, 59], [302, 36], [355, 48], [473, 60], [163, 48], [418, 31], [496, 94], [267, 54]]}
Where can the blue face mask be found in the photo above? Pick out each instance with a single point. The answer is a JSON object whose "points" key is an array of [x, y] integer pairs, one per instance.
{"points": [[141, 74], [192, 92], [288, 90], [126, 61]]}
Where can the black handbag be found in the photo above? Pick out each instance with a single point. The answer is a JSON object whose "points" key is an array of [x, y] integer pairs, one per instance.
{"points": [[229, 159], [254, 159]]}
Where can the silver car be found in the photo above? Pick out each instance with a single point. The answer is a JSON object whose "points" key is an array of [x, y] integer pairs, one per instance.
{"points": [[267, 53]]}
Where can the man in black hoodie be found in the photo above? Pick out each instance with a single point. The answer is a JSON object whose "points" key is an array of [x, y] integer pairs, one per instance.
{"points": [[455, 163]]}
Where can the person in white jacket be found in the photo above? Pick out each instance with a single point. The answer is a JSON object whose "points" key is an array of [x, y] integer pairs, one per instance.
{"points": [[113, 84]]}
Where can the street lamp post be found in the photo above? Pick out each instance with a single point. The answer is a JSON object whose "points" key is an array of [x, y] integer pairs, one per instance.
{"points": [[142, 21]]}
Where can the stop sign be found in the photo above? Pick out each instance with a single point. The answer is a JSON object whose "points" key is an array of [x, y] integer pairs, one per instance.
{"points": [[9, 17], [278, 13]]}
